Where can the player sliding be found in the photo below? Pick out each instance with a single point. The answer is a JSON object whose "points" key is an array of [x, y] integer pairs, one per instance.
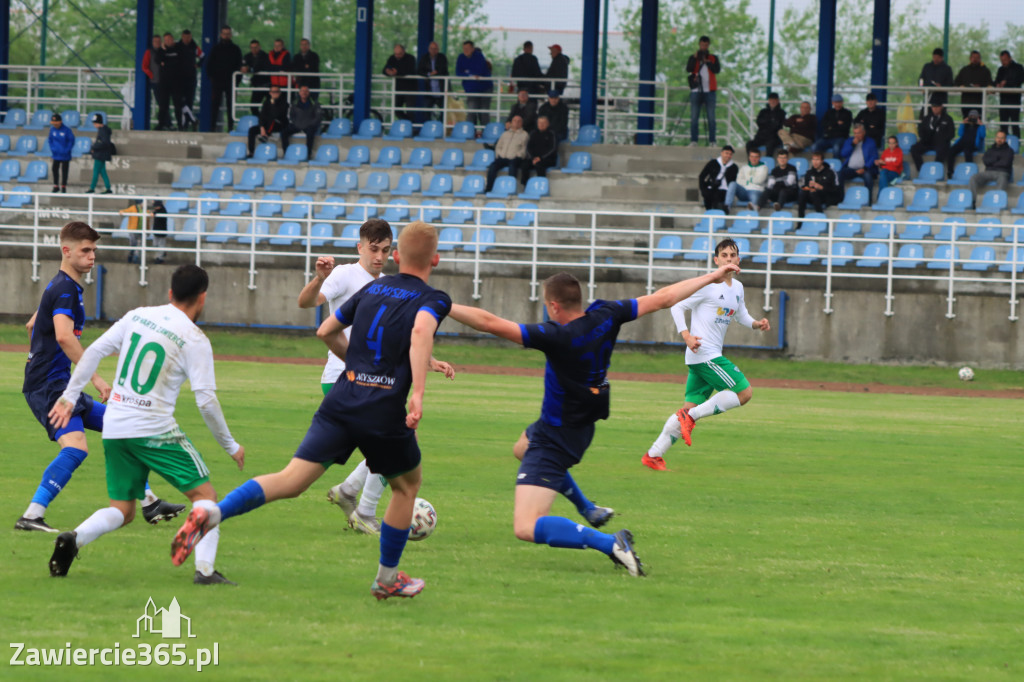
{"points": [[578, 346], [159, 348], [712, 309], [334, 286], [55, 330], [393, 323]]}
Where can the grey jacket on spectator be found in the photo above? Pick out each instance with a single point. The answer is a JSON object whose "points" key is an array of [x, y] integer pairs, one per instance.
{"points": [[305, 116], [512, 144], [999, 158]]}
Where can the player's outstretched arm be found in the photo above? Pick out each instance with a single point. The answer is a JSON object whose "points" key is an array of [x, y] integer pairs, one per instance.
{"points": [[489, 323], [330, 332], [310, 296], [666, 297], [421, 347]]}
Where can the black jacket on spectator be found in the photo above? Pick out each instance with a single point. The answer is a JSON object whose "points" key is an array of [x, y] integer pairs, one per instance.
{"points": [[874, 124], [102, 147], [973, 76], [708, 178], [936, 130], [557, 116], [934, 75], [440, 65], [824, 176], [1013, 74], [998, 158], [259, 66], [274, 114], [543, 144], [558, 71], [769, 121], [225, 58], [307, 63], [837, 123], [528, 111], [171, 64], [406, 66], [527, 66]]}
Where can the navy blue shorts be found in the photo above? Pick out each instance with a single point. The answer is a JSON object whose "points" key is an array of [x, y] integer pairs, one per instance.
{"points": [[88, 414], [553, 450], [331, 440]]}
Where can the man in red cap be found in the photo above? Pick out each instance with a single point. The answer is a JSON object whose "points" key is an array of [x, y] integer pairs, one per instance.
{"points": [[559, 68]]}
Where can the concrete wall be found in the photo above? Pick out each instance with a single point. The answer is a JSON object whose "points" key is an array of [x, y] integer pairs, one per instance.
{"points": [[857, 332]]}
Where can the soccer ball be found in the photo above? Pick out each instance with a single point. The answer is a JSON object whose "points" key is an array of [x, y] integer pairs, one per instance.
{"points": [[966, 374], [424, 520]]}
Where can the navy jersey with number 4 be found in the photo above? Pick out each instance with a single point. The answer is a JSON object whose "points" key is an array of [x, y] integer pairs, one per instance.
{"points": [[47, 362], [378, 376], [576, 392]]}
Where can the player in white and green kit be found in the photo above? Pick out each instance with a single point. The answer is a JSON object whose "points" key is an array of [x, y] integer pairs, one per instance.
{"points": [[160, 347], [712, 309]]}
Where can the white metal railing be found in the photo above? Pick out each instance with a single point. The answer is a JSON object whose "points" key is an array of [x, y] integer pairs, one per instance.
{"points": [[549, 238], [60, 88]]}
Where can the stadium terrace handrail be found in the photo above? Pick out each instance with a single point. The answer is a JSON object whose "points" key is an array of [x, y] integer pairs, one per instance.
{"points": [[542, 244]]}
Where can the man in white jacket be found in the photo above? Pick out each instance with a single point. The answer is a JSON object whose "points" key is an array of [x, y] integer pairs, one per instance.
{"points": [[509, 151], [749, 183]]}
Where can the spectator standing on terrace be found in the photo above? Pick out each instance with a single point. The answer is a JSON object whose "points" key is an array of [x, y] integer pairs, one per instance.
{"points": [[835, 128], [433, 63], [702, 67], [998, 161], [475, 70], [102, 150], [525, 108], [558, 70], [151, 65], [974, 75], [527, 66], [890, 163], [401, 66], [273, 118], [224, 60], [257, 65], [1009, 75], [191, 58], [769, 123], [304, 116], [62, 141], [934, 133], [509, 152], [972, 139], [802, 129], [937, 74], [714, 179], [749, 183], [169, 58], [872, 117], [280, 62], [541, 151], [306, 63], [859, 154], [820, 187], [557, 114], [782, 185], [159, 213]]}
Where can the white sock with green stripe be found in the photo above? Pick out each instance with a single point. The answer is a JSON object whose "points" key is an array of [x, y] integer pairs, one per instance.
{"points": [[723, 401], [669, 435]]}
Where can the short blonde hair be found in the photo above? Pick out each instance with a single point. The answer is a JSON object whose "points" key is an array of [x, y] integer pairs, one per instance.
{"points": [[417, 244]]}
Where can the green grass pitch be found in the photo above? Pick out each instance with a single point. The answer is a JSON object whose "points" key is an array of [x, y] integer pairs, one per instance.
{"points": [[806, 536]]}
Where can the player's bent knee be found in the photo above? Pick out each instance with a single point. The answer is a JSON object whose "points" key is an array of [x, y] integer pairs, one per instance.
{"points": [[524, 531], [745, 395], [127, 510]]}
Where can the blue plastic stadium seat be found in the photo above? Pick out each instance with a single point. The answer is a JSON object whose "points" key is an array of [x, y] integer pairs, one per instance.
{"points": [[5, 143], [925, 200], [320, 234], [814, 225], [252, 179], [857, 197], [258, 231], [440, 185], [909, 256], [941, 258], [357, 156], [460, 212], [332, 209], [449, 238], [233, 153], [781, 222], [463, 131], [1014, 142], [805, 253], [842, 254], [993, 201], [388, 157], [399, 130], [774, 248], [536, 188], [430, 211], [848, 226], [349, 236], [524, 215], [34, 172], [243, 124], [669, 246], [472, 186], [578, 162], [363, 210], [917, 230], [906, 141], [482, 158], [959, 200], [9, 169], [1014, 260], [744, 223], [419, 158], [315, 181], [492, 131], [14, 118], [889, 199], [287, 234], [264, 153], [209, 203], [712, 221], [430, 130], [962, 173], [189, 230], [223, 231], [240, 205], [397, 211], [222, 177], [87, 126], [40, 120], [188, 178], [451, 159], [1019, 208], [836, 164], [875, 254], [26, 144], [699, 249], [300, 209], [176, 203], [376, 183], [295, 154], [931, 172], [338, 128], [82, 147], [588, 135], [369, 129], [982, 259], [989, 231], [269, 206], [481, 239], [21, 195], [494, 213], [504, 187], [326, 154], [408, 184], [800, 164], [946, 232], [743, 245], [344, 182], [44, 149], [284, 180], [880, 227]]}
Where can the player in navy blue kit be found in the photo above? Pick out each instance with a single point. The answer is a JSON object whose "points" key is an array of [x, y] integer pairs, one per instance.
{"points": [[578, 345], [393, 322], [55, 331]]}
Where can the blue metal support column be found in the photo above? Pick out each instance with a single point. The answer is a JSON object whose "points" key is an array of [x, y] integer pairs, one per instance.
{"points": [[880, 49], [826, 58], [424, 36], [143, 38], [589, 62], [211, 34], [648, 70], [5, 48], [364, 61]]}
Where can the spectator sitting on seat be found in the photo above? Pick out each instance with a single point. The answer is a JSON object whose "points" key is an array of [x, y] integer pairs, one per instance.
{"points": [[859, 154], [509, 153], [802, 129], [541, 151], [558, 70], [937, 74], [433, 63], [525, 108], [304, 116], [972, 139], [527, 66], [873, 119], [715, 177], [769, 123], [475, 70], [782, 185], [890, 163], [820, 186], [836, 126], [307, 62], [998, 161], [934, 133], [62, 141], [400, 66], [749, 183], [557, 113], [273, 118], [974, 75], [1009, 75], [257, 65]]}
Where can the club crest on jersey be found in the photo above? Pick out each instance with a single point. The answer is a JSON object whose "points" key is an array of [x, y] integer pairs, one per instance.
{"points": [[726, 312]]}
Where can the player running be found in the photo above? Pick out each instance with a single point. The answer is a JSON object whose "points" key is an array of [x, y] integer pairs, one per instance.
{"points": [[160, 347], [578, 346], [393, 322], [334, 286], [55, 330], [712, 309]]}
